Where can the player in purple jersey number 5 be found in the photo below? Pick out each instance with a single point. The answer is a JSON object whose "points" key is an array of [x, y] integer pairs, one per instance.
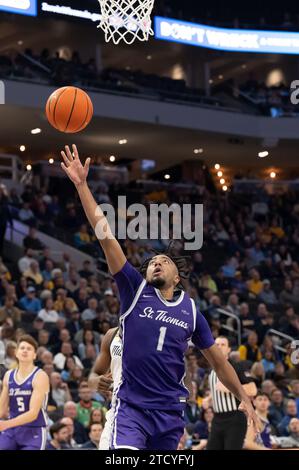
{"points": [[157, 320], [24, 400]]}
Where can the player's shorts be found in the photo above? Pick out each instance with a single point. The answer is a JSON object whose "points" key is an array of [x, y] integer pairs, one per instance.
{"points": [[23, 438], [140, 429]]}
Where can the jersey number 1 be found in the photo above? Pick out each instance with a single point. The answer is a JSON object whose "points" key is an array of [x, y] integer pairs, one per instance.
{"points": [[21, 405], [163, 330]]}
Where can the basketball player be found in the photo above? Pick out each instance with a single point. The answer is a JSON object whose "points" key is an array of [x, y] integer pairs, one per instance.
{"points": [[229, 424], [101, 380], [157, 321], [25, 395], [108, 359]]}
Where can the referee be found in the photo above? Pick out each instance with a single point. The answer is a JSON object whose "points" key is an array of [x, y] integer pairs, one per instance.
{"points": [[229, 425]]}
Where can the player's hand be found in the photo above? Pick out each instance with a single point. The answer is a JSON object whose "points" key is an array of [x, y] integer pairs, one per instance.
{"points": [[73, 167], [252, 418], [3, 426], [105, 382]]}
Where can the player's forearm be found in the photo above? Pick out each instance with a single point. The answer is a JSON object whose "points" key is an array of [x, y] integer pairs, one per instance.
{"points": [[93, 381], [113, 252], [3, 411], [92, 210], [24, 418]]}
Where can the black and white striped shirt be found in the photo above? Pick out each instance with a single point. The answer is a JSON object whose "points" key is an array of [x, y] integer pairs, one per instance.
{"points": [[222, 401]]}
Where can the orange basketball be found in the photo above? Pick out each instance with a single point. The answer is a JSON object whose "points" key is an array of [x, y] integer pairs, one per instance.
{"points": [[69, 109]]}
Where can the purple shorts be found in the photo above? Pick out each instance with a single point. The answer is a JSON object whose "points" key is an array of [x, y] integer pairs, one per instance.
{"points": [[140, 429], [23, 438]]}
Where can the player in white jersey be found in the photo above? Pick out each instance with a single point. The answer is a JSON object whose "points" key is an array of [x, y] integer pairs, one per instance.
{"points": [[100, 379]]}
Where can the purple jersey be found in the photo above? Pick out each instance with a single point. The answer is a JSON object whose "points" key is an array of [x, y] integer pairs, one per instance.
{"points": [[155, 335], [20, 396]]}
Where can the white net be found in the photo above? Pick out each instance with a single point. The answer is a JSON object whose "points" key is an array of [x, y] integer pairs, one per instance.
{"points": [[126, 20]]}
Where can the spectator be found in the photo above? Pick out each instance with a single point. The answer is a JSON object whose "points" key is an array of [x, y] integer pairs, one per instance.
{"points": [[66, 352], [59, 391], [287, 296], [250, 350], [61, 299], [59, 335], [82, 299], [203, 427], [59, 435], [291, 412], [233, 304], [48, 314], [267, 387], [248, 321], [71, 432], [74, 324], [26, 215], [86, 404], [255, 284], [267, 295], [47, 272], [95, 432], [257, 373], [25, 261], [193, 411], [46, 358], [43, 337], [9, 310], [276, 409], [33, 273], [90, 313], [70, 411], [10, 361], [84, 241], [97, 416], [31, 241], [88, 339], [292, 441], [87, 270], [72, 284], [29, 302]]}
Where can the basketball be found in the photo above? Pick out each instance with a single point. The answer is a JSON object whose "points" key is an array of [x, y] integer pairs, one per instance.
{"points": [[69, 109]]}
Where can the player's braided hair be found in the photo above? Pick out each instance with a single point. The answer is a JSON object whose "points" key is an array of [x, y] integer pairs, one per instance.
{"points": [[181, 262]]}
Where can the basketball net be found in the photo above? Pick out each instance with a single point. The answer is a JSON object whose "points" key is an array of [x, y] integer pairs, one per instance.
{"points": [[126, 20]]}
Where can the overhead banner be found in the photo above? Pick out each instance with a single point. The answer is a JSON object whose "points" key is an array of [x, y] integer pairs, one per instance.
{"points": [[224, 39], [67, 10], [21, 7]]}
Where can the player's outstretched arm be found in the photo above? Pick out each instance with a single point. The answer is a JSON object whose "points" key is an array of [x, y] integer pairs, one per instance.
{"points": [[77, 173], [40, 389], [4, 397], [99, 379]]}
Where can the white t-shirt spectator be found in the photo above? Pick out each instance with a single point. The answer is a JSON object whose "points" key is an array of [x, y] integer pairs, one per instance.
{"points": [[49, 316], [60, 360], [24, 263]]}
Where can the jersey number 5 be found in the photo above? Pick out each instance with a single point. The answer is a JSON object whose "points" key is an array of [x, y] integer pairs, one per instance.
{"points": [[163, 330], [21, 405]]}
